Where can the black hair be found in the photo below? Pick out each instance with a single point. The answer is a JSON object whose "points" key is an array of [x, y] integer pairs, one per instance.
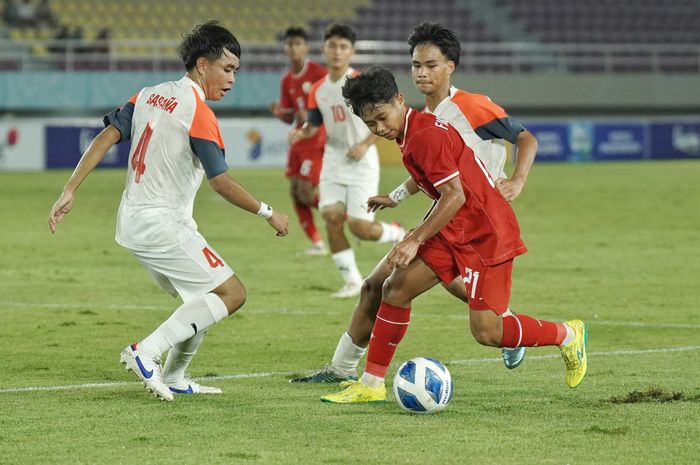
{"points": [[340, 30], [207, 40], [374, 86], [295, 32], [438, 35]]}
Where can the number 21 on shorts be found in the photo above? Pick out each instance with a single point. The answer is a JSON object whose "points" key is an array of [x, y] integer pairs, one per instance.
{"points": [[471, 279]]}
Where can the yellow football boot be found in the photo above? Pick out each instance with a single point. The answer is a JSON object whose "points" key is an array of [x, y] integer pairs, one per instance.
{"points": [[357, 393], [574, 353]]}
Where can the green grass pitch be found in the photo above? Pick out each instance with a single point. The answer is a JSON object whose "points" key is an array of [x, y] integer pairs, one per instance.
{"points": [[617, 245]]}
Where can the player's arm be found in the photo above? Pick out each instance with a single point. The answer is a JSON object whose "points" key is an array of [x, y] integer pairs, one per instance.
{"points": [[90, 159], [526, 146], [283, 109], [393, 198], [358, 150], [307, 131], [231, 190], [451, 200]]}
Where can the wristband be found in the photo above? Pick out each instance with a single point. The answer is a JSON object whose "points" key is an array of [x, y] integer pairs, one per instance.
{"points": [[265, 210], [400, 193]]}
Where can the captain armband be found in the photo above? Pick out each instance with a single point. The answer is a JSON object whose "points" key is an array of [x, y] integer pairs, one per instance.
{"points": [[400, 193], [265, 210]]}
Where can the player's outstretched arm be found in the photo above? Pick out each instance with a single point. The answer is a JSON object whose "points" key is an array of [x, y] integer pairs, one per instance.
{"points": [[451, 200], [90, 159], [379, 202], [235, 193], [307, 131], [526, 145]]}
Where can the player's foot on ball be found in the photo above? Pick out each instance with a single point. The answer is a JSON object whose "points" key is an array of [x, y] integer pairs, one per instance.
{"points": [[347, 291], [188, 386], [574, 353], [317, 249], [326, 375], [148, 371], [357, 393], [512, 358]]}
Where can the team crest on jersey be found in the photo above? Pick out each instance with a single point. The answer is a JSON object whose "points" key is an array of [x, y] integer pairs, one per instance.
{"points": [[306, 86]]}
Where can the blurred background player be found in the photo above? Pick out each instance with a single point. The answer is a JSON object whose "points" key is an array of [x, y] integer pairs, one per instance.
{"points": [[350, 172], [435, 53], [176, 140], [305, 155], [470, 231]]}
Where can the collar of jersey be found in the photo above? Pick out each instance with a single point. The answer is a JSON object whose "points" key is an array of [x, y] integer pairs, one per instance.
{"points": [[196, 86]]}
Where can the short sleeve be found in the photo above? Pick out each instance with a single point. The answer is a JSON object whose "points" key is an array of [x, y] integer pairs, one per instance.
{"points": [[206, 141], [121, 118], [434, 151]]}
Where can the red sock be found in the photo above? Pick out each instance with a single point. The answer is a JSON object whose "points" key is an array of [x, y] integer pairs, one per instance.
{"points": [[306, 219], [525, 331], [389, 327]]}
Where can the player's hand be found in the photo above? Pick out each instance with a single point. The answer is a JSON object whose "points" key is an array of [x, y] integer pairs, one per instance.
{"points": [[274, 108], [280, 223], [403, 253], [510, 189], [294, 135], [379, 202], [61, 208], [357, 151]]}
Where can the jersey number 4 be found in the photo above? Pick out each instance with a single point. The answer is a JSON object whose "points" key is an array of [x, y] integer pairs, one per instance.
{"points": [[138, 160], [213, 260]]}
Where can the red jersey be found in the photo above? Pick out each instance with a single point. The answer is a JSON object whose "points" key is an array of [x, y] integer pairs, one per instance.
{"points": [[434, 153], [294, 93]]}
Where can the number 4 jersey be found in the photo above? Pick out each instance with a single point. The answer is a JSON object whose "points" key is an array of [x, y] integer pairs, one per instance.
{"points": [[175, 140]]}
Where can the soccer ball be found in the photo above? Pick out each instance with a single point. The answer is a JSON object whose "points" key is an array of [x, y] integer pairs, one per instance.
{"points": [[423, 385]]}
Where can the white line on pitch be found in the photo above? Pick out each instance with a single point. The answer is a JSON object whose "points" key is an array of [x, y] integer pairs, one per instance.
{"points": [[471, 361], [287, 311]]}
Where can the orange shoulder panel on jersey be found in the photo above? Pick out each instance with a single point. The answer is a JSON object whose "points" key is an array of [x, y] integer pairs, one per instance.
{"points": [[478, 109], [134, 97], [311, 103], [204, 124]]}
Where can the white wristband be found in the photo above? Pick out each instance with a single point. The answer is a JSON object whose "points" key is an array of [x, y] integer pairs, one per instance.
{"points": [[400, 193], [265, 210]]}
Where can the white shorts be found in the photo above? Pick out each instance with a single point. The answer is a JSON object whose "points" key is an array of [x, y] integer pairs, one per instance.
{"points": [[190, 269], [354, 196]]}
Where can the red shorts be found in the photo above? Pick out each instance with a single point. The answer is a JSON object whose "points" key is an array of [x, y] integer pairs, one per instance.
{"points": [[488, 287], [305, 163]]}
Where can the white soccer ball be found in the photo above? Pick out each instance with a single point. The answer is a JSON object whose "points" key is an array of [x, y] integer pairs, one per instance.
{"points": [[423, 385]]}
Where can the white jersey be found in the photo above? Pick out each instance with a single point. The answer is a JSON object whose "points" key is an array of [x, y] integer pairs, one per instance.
{"points": [[165, 173], [343, 130], [482, 124]]}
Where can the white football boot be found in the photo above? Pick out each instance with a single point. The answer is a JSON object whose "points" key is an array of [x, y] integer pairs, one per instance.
{"points": [[188, 386], [348, 291], [147, 370]]}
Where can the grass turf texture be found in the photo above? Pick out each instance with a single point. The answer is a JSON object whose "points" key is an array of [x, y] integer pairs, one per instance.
{"points": [[613, 244]]}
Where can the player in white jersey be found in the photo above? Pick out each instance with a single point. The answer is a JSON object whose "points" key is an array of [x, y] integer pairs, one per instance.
{"points": [[175, 141], [435, 53], [350, 172]]}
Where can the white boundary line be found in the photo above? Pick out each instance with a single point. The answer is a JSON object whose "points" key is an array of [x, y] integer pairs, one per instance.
{"points": [[471, 361], [284, 311]]}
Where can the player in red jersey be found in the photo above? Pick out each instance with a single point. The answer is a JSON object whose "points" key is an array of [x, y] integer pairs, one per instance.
{"points": [[305, 156], [471, 231]]}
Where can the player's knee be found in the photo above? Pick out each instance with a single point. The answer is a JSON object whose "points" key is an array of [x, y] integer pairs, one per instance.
{"points": [[234, 301], [334, 221], [371, 287], [392, 291], [486, 335]]}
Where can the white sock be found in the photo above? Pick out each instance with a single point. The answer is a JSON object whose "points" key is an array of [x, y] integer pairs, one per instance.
{"points": [[179, 358], [569, 335], [190, 318], [347, 355], [372, 381], [391, 233], [345, 262]]}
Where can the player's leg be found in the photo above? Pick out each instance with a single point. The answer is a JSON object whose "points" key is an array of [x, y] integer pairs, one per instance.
{"points": [[361, 222], [489, 292], [352, 345], [306, 198], [512, 357], [399, 290], [210, 292], [332, 206]]}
